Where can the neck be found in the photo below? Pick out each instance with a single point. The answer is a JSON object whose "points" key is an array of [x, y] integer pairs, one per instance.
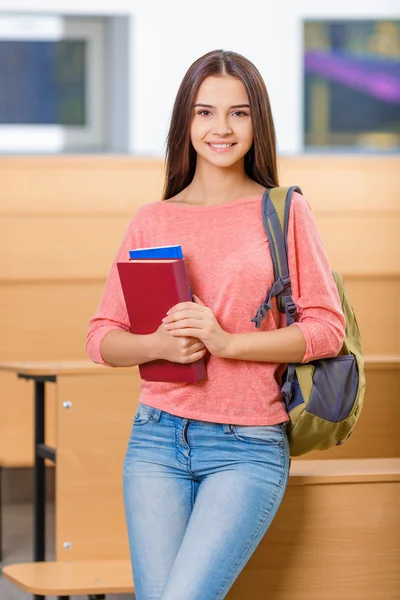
{"points": [[217, 185]]}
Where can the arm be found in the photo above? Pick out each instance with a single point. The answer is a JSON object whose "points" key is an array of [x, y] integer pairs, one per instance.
{"points": [[120, 348], [320, 329], [109, 341], [279, 346], [111, 316], [196, 319]]}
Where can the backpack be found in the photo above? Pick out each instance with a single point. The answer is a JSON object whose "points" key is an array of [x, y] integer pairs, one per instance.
{"points": [[324, 397]]}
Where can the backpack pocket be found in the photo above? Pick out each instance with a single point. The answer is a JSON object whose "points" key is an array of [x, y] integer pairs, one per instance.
{"points": [[334, 388]]}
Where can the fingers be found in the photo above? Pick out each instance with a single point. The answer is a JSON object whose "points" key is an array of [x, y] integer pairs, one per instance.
{"points": [[196, 346], [181, 314], [181, 306], [187, 333], [183, 324], [196, 355]]}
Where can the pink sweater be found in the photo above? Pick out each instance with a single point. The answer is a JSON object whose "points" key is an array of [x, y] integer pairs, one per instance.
{"points": [[230, 269]]}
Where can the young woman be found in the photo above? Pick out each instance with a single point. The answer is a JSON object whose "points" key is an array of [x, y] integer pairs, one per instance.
{"points": [[207, 464]]}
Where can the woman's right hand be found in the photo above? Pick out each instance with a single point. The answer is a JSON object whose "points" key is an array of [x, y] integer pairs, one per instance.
{"points": [[183, 350]]}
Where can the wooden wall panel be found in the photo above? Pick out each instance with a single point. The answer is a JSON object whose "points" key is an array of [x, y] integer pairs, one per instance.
{"points": [[54, 248], [46, 321], [117, 184], [361, 243], [375, 435], [64, 185], [16, 420], [373, 299], [327, 542], [83, 247], [344, 183], [92, 439]]}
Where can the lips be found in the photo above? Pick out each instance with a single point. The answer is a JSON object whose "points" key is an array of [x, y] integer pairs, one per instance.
{"points": [[222, 148]]}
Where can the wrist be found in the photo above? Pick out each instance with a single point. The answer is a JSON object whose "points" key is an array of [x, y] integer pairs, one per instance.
{"points": [[153, 347], [230, 346]]}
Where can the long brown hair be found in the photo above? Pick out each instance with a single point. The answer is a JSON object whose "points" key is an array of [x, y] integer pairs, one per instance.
{"points": [[260, 161]]}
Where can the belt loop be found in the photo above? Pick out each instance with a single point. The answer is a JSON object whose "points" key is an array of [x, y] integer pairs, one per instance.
{"points": [[155, 414]]}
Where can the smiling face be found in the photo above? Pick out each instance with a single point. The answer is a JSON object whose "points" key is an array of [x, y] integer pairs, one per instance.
{"points": [[221, 129]]}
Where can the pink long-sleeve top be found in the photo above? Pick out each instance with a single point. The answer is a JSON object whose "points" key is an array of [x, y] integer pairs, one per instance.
{"points": [[230, 269]]}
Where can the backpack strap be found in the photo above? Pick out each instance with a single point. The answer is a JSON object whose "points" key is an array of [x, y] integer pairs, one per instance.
{"points": [[275, 214]]}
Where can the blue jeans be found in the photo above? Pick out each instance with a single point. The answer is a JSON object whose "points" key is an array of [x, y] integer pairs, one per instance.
{"points": [[199, 497]]}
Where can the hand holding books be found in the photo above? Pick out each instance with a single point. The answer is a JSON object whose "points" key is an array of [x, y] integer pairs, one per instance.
{"points": [[196, 320], [151, 286]]}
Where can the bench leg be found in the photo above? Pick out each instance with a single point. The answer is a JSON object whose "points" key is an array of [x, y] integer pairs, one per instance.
{"points": [[39, 497], [96, 597], [39, 526]]}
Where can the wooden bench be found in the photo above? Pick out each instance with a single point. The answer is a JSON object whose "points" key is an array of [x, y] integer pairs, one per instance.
{"points": [[84, 375], [336, 534], [64, 579]]}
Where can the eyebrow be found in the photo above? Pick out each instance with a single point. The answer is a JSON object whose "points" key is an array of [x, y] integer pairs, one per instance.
{"points": [[234, 106]]}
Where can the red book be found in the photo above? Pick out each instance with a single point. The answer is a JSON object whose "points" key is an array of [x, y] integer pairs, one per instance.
{"points": [[151, 288]]}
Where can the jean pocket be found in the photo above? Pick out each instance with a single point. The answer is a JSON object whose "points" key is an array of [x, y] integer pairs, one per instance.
{"points": [[143, 414], [260, 434]]}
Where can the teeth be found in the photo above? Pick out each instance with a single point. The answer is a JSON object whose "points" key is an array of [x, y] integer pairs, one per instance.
{"points": [[221, 145]]}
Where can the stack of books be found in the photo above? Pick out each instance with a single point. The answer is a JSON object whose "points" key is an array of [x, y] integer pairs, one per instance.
{"points": [[153, 281]]}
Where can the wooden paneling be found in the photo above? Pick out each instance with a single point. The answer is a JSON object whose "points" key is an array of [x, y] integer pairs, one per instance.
{"points": [[92, 437], [54, 248], [327, 542], [48, 321], [374, 436], [85, 185], [16, 420], [361, 243], [344, 183], [374, 300], [61, 222], [51, 248], [118, 184]]}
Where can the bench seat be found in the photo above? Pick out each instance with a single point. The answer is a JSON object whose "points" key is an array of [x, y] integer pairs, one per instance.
{"points": [[72, 578]]}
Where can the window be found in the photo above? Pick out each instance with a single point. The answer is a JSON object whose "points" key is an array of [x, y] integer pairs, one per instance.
{"points": [[52, 84], [352, 85]]}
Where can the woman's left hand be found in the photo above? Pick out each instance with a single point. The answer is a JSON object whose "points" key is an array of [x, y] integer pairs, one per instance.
{"points": [[195, 319]]}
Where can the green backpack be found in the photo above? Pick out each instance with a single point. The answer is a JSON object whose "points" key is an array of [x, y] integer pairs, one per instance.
{"points": [[323, 397]]}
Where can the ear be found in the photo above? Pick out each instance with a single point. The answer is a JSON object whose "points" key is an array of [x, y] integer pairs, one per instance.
{"points": [[197, 300]]}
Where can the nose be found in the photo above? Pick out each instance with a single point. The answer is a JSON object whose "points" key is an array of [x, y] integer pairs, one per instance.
{"points": [[222, 127]]}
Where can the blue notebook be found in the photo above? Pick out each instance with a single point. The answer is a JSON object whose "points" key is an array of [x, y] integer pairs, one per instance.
{"points": [[156, 252]]}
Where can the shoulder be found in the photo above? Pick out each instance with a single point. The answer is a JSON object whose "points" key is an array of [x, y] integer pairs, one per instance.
{"points": [[300, 209], [146, 212], [300, 203]]}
